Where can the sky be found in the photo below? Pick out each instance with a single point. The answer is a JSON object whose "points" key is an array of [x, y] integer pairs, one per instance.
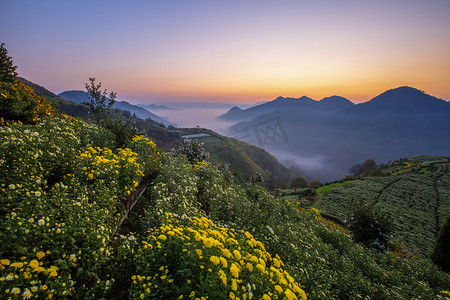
{"points": [[231, 51]]}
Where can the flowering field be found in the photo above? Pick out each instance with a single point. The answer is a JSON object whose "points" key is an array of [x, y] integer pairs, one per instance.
{"points": [[197, 234]]}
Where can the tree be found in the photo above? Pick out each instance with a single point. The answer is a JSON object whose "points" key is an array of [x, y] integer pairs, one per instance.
{"points": [[193, 150], [369, 164], [123, 130], [99, 101], [357, 169], [298, 183], [7, 69], [257, 177], [315, 184], [441, 251], [281, 185], [18, 101], [370, 226]]}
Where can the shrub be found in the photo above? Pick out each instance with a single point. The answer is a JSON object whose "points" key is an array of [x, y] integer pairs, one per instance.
{"points": [[298, 183], [370, 226], [193, 257], [441, 251], [175, 188], [119, 172], [148, 154], [193, 150]]}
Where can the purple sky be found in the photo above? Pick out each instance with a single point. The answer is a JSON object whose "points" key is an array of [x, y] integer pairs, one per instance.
{"points": [[231, 51]]}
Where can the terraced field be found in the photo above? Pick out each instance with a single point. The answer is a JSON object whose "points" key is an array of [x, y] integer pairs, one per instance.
{"points": [[417, 195]]}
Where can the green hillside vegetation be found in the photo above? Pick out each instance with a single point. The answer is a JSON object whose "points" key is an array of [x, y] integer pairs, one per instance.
{"points": [[64, 106], [242, 158], [245, 159], [415, 193], [189, 231]]}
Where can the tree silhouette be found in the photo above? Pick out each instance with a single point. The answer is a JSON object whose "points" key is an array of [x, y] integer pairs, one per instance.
{"points": [[298, 183], [7, 68], [99, 102]]}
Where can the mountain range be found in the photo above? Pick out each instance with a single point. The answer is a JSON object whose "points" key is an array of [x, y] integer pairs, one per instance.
{"points": [[325, 138], [140, 112]]}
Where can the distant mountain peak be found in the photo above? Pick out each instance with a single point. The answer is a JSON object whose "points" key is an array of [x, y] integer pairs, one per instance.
{"points": [[405, 95], [405, 90], [302, 98], [334, 98], [235, 108], [79, 97]]}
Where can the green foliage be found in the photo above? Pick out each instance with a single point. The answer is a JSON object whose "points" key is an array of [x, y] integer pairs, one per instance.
{"points": [[298, 183], [418, 202], [441, 252], [123, 131], [7, 69], [148, 154], [374, 173], [43, 152], [315, 184], [370, 226], [359, 169], [175, 188], [99, 101], [193, 149], [369, 164], [322, 190], [57, 234]]}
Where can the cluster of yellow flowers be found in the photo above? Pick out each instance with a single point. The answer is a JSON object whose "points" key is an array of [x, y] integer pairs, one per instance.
{"points": [[316, 213], [220, 260], [148, 154], [143, 140], [101, 163], [33, 272], [199, 164]]}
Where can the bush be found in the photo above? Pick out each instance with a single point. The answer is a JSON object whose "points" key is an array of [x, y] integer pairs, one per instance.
{"points": [[298, 183], [119, 172], [193, 150], [441, 251], [148, 154], [193, 257], [370, 226]]}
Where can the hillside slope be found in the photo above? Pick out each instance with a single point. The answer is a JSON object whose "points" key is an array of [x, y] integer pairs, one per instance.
{"points": [[243, 158], [140, 112], [62, 105], [192, 233], [416, 194]]}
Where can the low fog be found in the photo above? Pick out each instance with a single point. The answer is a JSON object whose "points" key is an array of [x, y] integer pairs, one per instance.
{"points": [[190, 116]]}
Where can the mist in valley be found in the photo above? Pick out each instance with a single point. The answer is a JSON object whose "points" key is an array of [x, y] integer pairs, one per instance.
{"points": [[279, 143]]}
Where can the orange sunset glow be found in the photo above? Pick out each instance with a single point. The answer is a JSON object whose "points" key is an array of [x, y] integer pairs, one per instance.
{"points": [[232, 51]]}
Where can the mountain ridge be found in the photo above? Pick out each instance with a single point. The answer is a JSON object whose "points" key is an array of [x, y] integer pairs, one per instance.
{"points": [[397, 123], [79, 96]]}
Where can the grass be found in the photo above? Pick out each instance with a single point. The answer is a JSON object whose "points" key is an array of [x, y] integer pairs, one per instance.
{"points": [[327, 188]]}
